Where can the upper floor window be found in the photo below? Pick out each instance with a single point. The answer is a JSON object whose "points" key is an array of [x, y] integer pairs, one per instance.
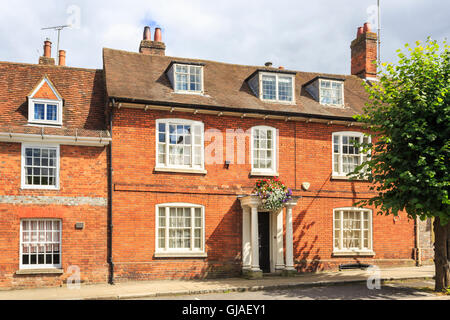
{"points": [[186, 78], [352, 230], [263, 150], [45, 104], [331, 92], [180, 229], [277, 87], [40, 166], [346, 156], [40, 244], [179, 144], [273, 86]]}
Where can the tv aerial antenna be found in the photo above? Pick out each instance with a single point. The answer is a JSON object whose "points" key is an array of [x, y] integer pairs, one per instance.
{"points": [[57, 28], [379, 33]]}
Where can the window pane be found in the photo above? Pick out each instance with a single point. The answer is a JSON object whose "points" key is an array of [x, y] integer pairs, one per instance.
{"points": [[51, 112], [39, 111], [268, 87], [285, 88]]}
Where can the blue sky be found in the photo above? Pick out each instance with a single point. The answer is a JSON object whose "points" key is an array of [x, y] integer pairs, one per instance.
{"points": [[299, 35]]}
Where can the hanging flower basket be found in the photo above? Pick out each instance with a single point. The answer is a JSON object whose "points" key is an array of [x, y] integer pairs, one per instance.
{"points": [[273, 193]]}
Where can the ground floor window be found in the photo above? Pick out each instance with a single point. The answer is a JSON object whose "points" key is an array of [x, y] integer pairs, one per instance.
{"points": [[40, 243], [180, 228], [352, 229]]}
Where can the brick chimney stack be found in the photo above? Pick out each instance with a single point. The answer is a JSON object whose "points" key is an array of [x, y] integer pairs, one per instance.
{"points": [[156, 47], [47, 57], [364, 53]]}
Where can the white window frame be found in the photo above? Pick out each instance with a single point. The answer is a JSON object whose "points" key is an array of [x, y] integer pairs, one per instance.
{"points": [[354, 134], [331, 82], [180, 168], [45, 102], [265, 172], [174, 70], [353, 251], [276, 75], [40, 266], [179, 252], [23, 163]]}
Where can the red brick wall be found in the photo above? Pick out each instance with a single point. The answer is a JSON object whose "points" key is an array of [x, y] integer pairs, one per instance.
{"points": [[82, 174], [305, 156]]}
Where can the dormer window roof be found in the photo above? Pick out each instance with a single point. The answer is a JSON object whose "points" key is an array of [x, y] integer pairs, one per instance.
{"points": [[273, 85], [327, 91], [45, 104], [186, 77]]}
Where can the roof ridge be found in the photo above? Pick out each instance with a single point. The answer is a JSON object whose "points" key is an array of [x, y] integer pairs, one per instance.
{"points": [[233, 64]]}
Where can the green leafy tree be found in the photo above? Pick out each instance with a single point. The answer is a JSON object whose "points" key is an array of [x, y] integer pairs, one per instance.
{"points": [[408, 117]]}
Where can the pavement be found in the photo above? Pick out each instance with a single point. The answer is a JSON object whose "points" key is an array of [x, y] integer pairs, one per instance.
{"points": [[160, 288]]}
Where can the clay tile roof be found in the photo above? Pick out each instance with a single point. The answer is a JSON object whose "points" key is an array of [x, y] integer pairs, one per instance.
{"points": [[82, 91], [142, 78]]}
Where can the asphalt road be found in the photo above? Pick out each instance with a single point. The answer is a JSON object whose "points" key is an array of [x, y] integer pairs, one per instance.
{"points": [[393, 290]]}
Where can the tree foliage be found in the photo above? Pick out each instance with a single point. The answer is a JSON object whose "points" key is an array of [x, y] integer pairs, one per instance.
{"points": [[408, 115]]}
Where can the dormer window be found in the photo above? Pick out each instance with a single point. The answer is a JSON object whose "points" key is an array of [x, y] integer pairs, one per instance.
{"points": [[45, 104], [327, 91], [273, 86], [185, 77], [331, 92]]}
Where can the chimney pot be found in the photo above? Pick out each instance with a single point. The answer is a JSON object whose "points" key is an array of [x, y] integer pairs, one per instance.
{"points": [[281, 68], [360, 31], [47, 48], [147, 34], [268, 64], [367, 27], [62, 58], [158, 36]]}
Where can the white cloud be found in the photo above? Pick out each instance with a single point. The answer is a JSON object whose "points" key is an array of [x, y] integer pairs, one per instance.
{"points": [[300, 35]]}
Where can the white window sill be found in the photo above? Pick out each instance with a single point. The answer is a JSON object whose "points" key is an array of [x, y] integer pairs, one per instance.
{"points": [[353, 253], [44, 124], [334, 177], [39, 188], [40, 271], [180, 170], [181, 255], [278, 101], [264, 174]]}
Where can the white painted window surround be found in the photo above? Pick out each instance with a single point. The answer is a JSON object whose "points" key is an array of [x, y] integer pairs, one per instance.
{"points": [[331, 92], [345, 157], [352, 231], [180, 230], [276, 87], [45, 111], [40, 166], [180, 146], [187, 78], [40, 243], [263, 151]]}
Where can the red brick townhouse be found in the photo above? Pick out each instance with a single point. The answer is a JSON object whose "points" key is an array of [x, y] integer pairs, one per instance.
{"points": [[145, 169], [53, 173], [191, 137]]}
